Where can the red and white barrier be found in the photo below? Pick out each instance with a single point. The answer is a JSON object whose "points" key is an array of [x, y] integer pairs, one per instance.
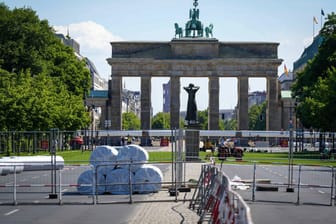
{"points": [[224, 205]]}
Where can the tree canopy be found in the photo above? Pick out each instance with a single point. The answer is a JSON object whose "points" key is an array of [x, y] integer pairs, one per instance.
{"points": [[257, 115], [130, 121], [42, 82], [161, 121], [315, 86]]}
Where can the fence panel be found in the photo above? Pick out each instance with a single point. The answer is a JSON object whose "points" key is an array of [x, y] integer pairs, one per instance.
{"points": [[316, 185], [7, 181], [71, 188], [20, 186], [272, 183]]}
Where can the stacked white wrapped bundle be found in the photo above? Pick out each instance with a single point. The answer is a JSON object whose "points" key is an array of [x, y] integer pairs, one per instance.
{"points": [[117, 181], [86, 183], [132, 154], [103, 158], [147, 179], [114, 172]]}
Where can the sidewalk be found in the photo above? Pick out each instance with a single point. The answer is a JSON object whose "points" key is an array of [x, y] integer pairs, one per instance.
{"points": [[168, 212]]}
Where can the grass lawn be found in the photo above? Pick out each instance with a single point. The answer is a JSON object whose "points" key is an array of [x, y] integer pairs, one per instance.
{"points": [[82, 157]]}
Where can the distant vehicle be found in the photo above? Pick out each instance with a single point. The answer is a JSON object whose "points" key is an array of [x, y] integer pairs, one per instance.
{"points": [[207, 145], [324, 144], [228, 148], [76, 142]]}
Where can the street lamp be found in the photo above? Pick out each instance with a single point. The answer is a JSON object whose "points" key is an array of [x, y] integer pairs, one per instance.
{"points": [[93, 107]]}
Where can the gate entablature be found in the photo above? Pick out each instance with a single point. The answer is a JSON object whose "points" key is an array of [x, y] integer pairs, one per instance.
{"points": [[194, 58], [196, 49]]}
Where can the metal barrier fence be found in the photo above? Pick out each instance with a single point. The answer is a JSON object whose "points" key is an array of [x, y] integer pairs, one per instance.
{"points": [[40, 186], [215, 202], [277, 183], [34, 141]]}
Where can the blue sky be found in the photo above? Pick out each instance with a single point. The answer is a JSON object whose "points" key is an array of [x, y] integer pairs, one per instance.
{"points": [[95, 23]]}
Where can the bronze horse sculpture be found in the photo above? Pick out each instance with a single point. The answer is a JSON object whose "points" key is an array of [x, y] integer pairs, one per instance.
{"points": [[208, 30], [178, 30]]}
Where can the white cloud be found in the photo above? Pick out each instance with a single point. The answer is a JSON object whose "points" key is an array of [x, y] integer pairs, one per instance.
{"points": [[94, 40]]}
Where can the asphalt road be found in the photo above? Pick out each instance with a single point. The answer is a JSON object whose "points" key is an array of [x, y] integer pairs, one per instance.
{"points": [[268, 207], [281, 207]]}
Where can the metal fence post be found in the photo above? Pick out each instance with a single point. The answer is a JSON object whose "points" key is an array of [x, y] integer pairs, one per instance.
{"points": [[94, 185], [334, 187], [299, 184], [60, 187], [130, 182], [14, 189], [254, 181], [332, 196]]}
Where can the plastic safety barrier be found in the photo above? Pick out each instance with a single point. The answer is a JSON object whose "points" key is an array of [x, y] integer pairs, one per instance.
{"points": [[215, 202]]}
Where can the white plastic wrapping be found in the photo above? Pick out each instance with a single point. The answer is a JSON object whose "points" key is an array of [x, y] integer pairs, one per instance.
{"points": [[132, 154], [9, 167], [147, 179], [103, 154], [87, 184], [28, 163], [39, 162], [118, 180]]}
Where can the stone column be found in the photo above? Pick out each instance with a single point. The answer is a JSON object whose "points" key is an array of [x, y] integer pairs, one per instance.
{"points": [[213, 112], [175, 87], [115, 90], [115, 96], [273, 120], [103, 116], [145, 109], [192, 140], [243, 103]]}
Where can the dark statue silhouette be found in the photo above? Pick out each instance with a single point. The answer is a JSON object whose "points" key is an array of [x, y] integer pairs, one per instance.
{"points": [[191, 116]]}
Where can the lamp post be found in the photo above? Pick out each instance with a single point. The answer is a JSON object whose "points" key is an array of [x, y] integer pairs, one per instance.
{"points": [[92, 123]]}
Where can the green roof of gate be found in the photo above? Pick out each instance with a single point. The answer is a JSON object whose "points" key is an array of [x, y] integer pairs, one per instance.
{"points": [[286, 94], [98, 94]]}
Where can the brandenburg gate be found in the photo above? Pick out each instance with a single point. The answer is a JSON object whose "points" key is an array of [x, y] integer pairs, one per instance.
{"points": [[195, 53]]}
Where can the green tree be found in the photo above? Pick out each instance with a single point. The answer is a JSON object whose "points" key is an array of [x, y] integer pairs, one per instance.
{"points": [[203, 119], [315, 86], [257, 115], [161, 121], [42, 82], [130, 121], [230, 124]]}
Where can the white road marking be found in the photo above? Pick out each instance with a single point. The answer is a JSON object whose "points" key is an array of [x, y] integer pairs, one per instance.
{"points": [[322, 192], [11, 212], [64, 190]]}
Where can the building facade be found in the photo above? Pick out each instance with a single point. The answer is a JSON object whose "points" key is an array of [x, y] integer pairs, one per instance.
{"points": [[166, 97]]}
